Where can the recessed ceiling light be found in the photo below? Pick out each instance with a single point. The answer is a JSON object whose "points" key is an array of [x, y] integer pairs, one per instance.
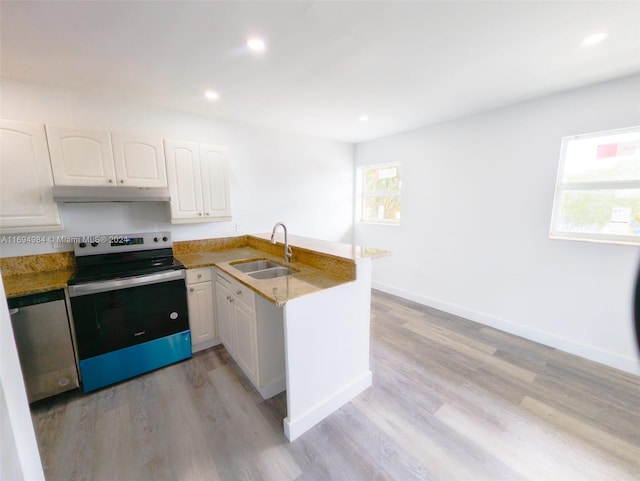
{"points": [[594, 39], [256, 44], [211, 95], [364, 118]]}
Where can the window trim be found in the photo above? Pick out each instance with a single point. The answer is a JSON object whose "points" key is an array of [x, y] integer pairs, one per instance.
{"points": [[562, 187], [361, 194]]}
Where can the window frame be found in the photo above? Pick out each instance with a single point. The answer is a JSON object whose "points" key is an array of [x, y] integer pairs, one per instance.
{"points": [[361, 194], [594, 186]]}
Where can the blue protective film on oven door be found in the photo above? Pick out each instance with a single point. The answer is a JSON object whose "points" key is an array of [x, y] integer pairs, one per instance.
{"points": [[109, 368]]}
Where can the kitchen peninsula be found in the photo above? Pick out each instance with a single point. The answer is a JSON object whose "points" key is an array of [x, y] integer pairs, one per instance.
{"points": [[324, 310]]}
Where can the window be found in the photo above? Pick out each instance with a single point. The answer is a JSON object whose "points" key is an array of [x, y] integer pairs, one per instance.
{"points": [[379, 193], [598, 188]]}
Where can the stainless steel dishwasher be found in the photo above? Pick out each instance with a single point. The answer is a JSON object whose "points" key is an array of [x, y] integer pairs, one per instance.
{"points": [[41, 330]]}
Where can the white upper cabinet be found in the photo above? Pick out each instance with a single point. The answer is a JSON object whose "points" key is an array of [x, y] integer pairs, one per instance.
{"points": [[26, 203], [80, 157], [85, 157], [215, 180], [183, 172], [139, 160], [198, 177]]}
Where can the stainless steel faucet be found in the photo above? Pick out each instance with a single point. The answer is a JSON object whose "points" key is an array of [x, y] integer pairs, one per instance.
{"points": [[287, 249]]}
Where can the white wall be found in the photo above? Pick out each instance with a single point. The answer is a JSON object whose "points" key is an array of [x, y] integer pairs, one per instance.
{"points": [[477, 195], [19, 456], [303, 181]]}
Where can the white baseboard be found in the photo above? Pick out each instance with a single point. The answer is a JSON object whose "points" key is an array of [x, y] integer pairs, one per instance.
{"points": [[568, 345], [294, 428]]}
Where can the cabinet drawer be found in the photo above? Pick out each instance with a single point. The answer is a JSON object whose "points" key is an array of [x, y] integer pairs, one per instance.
{"points": [[198, 275]]}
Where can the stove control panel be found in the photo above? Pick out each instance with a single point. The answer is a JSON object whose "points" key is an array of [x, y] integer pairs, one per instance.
{"points": [[116, 243]]}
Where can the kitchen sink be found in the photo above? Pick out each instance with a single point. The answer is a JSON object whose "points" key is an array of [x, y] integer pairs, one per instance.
{"points": [[254, 265], [262, 269], [272, 272]]}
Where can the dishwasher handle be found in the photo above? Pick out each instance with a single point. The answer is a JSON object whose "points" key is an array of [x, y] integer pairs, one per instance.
{"points": [[14, 311]]}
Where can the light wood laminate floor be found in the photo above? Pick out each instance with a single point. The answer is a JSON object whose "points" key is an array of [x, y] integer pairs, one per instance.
{"points": [[451, 400]]}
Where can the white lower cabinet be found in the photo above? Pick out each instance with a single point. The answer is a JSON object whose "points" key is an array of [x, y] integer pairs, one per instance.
{"points": [[224, 313], [252, 330], [201, 308], [245, 349]]}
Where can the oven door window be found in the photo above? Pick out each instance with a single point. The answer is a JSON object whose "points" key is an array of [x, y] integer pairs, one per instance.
{"points": [[112, 320]]}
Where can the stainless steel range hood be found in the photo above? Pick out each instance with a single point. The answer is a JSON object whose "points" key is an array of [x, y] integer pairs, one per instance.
{"points": [[110, 194]]}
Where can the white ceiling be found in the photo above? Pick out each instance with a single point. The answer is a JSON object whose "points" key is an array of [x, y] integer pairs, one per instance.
{"points": [[404, 64]]}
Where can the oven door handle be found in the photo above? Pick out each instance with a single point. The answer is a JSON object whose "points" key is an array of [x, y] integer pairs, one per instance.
{"points": [[105, 286]]}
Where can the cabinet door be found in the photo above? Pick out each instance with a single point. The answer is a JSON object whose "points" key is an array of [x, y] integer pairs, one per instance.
{"points": [[80, 157], [26, 203], [246, 351], [139, 160], [215, 181], [201, 320], [183, 173], [224, 315]]}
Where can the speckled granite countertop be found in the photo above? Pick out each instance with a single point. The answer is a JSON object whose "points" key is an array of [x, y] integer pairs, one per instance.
{"points": [[194, 260], [320, 265], [36, 273], [23, 284], [307, 280]]}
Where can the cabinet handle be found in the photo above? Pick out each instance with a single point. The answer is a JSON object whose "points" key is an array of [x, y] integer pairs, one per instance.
{"points": [[191, 289], [199, 276], [199, 213], [111, 181], [238, 292], [207, 213], [122, 181]]}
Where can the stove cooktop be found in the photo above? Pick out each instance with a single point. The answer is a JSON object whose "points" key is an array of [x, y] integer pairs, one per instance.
{"points": [[109, 257]]}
